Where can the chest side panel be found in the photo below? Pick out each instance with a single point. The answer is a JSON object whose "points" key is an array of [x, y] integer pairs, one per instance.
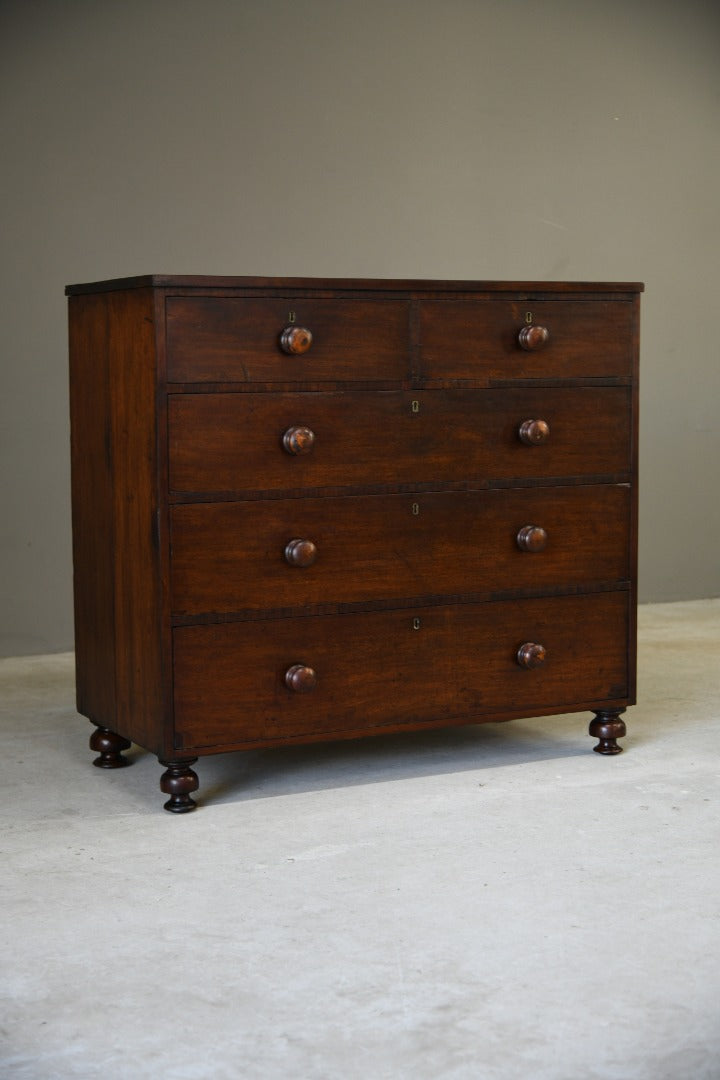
{"points": [[93, 509], [116, 496]]}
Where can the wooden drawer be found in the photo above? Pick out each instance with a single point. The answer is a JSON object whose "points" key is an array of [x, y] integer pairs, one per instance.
{"points": [[234, 442], [231, 557], [476, 339], [227, 339], [395, 668]]}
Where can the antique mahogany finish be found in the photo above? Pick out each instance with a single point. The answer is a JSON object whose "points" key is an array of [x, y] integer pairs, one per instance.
{"points": [[307, 509]]}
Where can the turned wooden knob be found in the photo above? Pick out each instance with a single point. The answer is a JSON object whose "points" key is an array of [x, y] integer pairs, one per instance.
{"points": [[531, 655], [295, 340], [531, 538], [298, 440], [533, 432], [300, 553], [532, 338], [300, 678]]}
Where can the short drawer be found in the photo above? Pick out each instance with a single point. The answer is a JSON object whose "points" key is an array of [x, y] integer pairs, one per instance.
{"points": [[228, 339], [362, 673], [226, 443], [299, 553], [475, 339]]}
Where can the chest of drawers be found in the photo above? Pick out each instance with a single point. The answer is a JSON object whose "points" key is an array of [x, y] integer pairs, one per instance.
{"points": [[313, 509]]}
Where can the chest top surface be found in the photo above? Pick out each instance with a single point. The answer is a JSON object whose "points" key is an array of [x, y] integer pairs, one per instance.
{"points": [[411, 285]]}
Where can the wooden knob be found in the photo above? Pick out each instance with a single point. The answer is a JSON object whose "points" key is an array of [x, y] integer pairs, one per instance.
{"points": [[533, 432], [300, 679], [531, 655], [300, 553], [532, 338], [531, 538], [298, 440], [295, 340]]}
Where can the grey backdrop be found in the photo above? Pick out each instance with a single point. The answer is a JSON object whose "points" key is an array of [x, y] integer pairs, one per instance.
{"points": [[520, 139]]}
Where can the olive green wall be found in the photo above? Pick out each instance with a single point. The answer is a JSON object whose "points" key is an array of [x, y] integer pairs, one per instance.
{"points": [[416, 138]]}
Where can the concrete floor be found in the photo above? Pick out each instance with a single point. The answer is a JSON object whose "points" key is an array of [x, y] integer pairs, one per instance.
{"points": [[490, 903]]}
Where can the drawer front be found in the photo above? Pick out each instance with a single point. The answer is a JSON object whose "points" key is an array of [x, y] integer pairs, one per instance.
{"points": [[237, 557], [235, 442], [475, 339], [224, 339], [394, 668]]}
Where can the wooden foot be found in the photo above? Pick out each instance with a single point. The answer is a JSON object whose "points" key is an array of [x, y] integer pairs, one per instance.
{"points": [[608, 728], [109, 746], [177, 782]]}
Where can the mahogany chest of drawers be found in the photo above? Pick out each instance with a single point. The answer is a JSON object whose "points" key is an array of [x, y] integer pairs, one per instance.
{"points": [[314, 509]]}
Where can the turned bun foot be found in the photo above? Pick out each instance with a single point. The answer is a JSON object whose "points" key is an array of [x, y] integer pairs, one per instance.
{"points": [[178, 781], [607, 727], [109, 746]]}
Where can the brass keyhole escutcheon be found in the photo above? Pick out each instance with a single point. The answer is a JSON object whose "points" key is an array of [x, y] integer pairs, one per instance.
{"points": [[416, 624]]}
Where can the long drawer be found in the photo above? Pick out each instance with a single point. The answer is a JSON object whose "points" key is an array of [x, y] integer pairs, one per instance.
{"points": [[292, 553], [360, 673], [225, 443]]}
